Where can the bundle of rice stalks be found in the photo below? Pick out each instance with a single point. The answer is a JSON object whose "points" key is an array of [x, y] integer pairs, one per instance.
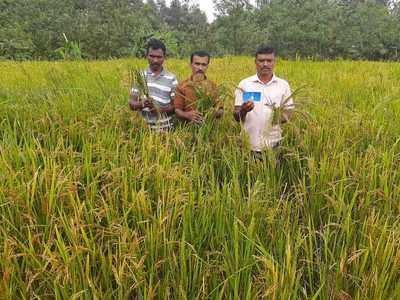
{"points": [[206, 96], [279, 110], [137, 79]]}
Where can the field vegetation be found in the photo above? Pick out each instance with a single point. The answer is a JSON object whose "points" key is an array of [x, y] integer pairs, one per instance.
{"points": [[95, 206]]}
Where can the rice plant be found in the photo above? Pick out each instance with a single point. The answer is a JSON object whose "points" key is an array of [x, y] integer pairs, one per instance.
{"points": [[95, 205]]}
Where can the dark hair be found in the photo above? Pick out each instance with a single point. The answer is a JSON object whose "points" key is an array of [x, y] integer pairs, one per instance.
{"points": [[265, 50], [200, 53], [155, 44]]}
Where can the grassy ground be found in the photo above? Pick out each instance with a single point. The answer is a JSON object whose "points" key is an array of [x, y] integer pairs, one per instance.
{"points": [[94, 206]]}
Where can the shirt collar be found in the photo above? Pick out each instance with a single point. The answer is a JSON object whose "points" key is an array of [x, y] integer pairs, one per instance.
{"points": [[150, 72], [256, 79], [205, 77]]}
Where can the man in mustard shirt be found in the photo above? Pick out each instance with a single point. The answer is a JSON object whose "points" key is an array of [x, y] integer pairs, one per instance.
{"points": [[187, 92]]}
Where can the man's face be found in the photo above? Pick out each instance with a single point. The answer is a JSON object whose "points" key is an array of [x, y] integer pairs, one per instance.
{"points": [[155, 58], [265, 64], [199, 65]]}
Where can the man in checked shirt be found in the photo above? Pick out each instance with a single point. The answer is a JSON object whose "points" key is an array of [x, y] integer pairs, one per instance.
{"points": [[161, 84]]}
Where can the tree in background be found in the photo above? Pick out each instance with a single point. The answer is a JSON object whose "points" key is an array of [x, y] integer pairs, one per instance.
{"points": [[318, 29], [234, 31]]}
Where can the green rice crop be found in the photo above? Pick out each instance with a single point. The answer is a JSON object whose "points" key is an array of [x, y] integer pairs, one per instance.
{"points": [[95, 206]]}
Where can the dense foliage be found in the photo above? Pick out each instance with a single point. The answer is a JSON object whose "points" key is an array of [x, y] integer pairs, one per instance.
{"points": [[321, 29], [95, 206]]}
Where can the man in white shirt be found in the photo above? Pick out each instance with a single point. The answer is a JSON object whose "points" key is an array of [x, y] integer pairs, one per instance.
{"points": [[255, 99]]}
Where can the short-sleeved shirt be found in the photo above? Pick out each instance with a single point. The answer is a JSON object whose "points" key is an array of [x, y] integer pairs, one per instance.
{"points": [[188, 91], [258, 122], [162, 89]]}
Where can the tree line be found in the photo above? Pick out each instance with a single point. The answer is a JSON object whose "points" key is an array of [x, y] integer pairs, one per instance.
{"points": [[103, 29]]}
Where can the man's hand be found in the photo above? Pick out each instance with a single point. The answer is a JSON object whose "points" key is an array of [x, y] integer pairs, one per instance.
{"points": [[149, 104], [242, 110], [219, 113], [246, 107], [194, 116], [286, 115]]}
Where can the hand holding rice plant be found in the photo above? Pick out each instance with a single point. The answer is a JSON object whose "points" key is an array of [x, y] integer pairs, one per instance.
{"points": [[282, 110], [138, 80], [279, 112], [205, 104]]}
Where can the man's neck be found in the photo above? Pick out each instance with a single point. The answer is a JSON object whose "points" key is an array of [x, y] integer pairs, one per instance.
{"points": [[198, 77], [265, 78], [156, 72]]}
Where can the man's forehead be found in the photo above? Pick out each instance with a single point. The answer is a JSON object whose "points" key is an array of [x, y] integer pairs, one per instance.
{"points": [[158, 52], [200, 58], [265, 56]]}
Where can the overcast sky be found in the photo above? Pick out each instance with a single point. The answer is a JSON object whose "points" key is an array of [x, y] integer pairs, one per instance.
{"points": [[207, 6]]}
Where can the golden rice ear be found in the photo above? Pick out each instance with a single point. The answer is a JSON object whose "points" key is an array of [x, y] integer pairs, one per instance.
{"points": [[126, 80], [295, 92]]}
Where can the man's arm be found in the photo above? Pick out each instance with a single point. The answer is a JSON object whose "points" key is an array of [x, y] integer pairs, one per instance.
{"points": [[169, 109], [179, 105], [192, 115], [136, 104], [241, 111], [237, 114]]}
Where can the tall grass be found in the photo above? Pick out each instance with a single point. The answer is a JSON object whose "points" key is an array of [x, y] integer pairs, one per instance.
{"points": [[95, 206]]}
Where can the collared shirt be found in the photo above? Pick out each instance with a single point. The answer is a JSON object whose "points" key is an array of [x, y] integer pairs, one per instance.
{"points": [[258, 122], [162, 89], [189, 91]]}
